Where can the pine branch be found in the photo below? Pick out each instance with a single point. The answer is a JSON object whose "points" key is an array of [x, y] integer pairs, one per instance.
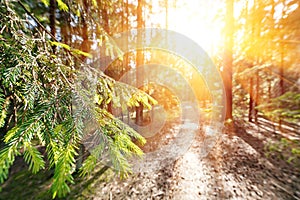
{"points": [[63, 172], [4, 105], [33, 157], [52, 103], [7, 157]]}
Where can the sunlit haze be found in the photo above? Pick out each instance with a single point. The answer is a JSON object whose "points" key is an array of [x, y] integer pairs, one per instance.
{"points": [[201, 21]]}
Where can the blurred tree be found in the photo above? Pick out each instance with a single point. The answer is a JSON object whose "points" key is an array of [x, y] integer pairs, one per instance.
{"points": [[139, 60], [228, 56], [266, 51]]}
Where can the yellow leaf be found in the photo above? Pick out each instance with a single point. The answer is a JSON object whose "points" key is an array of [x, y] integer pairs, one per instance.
{"points": [[79, 52], [45, 2], [99, 42], [94, 2], [62, 5], [78, 13], [59, 44]]}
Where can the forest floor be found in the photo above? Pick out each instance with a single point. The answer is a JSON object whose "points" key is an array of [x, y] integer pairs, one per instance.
{"points": [[235, 168]]}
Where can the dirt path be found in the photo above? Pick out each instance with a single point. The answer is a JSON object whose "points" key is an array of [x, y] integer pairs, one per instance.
{"points": [[234, 169]]}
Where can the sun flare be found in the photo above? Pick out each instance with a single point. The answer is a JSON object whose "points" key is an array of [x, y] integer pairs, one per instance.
{"points": [[198, 20]]}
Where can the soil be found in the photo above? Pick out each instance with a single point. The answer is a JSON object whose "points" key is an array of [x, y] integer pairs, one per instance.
{"points": [[235, 168]]}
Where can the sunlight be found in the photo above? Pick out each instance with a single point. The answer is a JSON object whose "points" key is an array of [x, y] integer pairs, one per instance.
{"points": [[198, 24], [199, 20]]}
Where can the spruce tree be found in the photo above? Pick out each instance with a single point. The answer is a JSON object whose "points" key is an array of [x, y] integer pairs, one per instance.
{"points": [[49, 100]]}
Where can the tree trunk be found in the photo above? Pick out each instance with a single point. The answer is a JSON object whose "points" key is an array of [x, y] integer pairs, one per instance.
{"points": [[106, 20], [65, 29], [139, 61], [250, 100], [52, 9], [256, 96], [281, 70], [269, 88], [85, 45], [281, 74], [227, 73], [107, 30]]}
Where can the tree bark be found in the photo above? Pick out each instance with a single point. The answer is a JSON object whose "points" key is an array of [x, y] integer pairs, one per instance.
{"points": [[85, 45], [256, 96], [281, 70], [228, 58], [139, 61], [250, 100], [52, 18]]}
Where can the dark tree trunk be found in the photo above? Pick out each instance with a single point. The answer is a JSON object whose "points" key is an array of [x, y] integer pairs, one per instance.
{"points": [[107, 30], [256, 96], [65, 26], [281, 71], [281, 74], [269, 89], [227, 73], [139, 61], [106, 21], [250, 100], [52, 18], [85, 45]]}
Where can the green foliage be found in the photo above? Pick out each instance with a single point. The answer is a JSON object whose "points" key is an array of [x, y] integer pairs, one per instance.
{"points": [[78, 52], [286, 106], [64, 167], [60, 3], [46, 2], [288, 150], [4, 104], [67, 47], [33, 158], [59, 44], [7, 157], [140, 97], [45, 100]]}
